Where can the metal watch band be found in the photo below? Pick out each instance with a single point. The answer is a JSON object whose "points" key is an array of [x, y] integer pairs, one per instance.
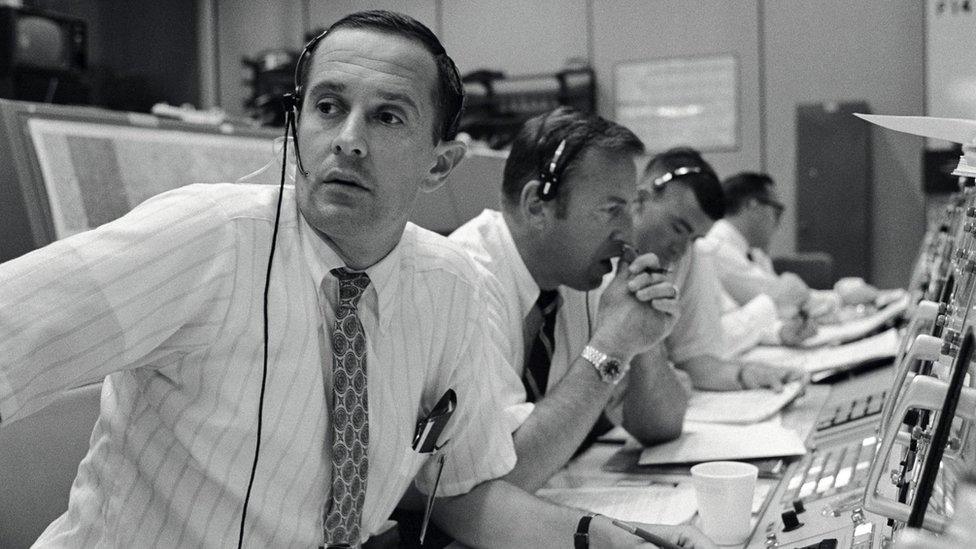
{"points": [[610, 369]]}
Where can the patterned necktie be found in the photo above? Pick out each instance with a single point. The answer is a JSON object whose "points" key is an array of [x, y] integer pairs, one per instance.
{"points": [[350, 426], [535, 375]]}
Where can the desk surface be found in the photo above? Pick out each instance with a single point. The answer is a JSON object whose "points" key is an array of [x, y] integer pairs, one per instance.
{"points": [[586, 471]]}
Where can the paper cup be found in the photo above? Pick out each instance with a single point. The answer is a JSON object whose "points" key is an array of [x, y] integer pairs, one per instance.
{"points": [[724, 490]]}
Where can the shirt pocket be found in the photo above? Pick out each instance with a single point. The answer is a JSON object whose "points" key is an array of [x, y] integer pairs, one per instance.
{"points": [[411, 463]]}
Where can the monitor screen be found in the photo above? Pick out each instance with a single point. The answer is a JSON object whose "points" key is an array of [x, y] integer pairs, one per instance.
{"points": [[41, 42]]}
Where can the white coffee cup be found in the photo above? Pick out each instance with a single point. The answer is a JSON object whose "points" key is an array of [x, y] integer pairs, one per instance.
{"points": [[724, 490]]}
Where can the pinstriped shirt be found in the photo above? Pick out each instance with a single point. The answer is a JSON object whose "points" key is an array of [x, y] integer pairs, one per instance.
{"points": [[167, 303]]}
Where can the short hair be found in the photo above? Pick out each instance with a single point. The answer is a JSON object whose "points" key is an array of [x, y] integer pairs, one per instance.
{"points": [[448, 94], [744, 186], [701, 178], [536, 142]]}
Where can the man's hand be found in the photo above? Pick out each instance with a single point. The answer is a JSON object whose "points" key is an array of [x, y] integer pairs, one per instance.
{"points": [[604, 533], [648, 282], [854, 290], [796, 330], [637, 309], [791, 294], [757, 375]]}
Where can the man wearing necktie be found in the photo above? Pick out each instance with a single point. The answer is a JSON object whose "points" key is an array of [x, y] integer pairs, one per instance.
{"points": [[367, 320], [564, 221]]}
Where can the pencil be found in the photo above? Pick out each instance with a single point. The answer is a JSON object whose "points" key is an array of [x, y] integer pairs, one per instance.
{"points": [[645, 535]]}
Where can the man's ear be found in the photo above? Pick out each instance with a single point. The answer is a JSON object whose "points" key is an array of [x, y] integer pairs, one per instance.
{"points": [[447, 155], [534, 209]]}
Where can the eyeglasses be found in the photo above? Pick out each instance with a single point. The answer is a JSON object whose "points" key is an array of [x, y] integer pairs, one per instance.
{"points": [[778, 207]]}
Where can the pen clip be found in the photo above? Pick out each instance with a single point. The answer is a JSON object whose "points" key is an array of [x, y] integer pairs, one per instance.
{"points": [[430, 426]]}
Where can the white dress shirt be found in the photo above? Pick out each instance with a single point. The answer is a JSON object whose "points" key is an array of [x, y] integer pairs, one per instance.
{"points": [[741, 277], [747, 272], [514, 292], [167, 303]]}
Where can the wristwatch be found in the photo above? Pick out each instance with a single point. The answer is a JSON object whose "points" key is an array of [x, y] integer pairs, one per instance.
{"points": [[611, 369], [581, 539]]}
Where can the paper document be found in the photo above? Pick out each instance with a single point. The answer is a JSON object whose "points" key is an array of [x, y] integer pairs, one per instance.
{"points": [[711, 441], [739, 406], [856, 329], [820, 359], [654, 504]]}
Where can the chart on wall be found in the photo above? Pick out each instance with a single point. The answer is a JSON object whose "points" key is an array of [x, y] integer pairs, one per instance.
{"points": [[688, 100], [950, 60], [94, 173]]}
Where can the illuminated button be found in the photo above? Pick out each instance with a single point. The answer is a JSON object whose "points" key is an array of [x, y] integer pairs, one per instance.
{"points": [[807, 489], [794, 482], [825, 483], [843, 477], [870, 441]]}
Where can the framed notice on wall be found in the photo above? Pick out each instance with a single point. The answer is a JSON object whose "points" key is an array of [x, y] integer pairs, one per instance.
{"points": [[690, 101]]}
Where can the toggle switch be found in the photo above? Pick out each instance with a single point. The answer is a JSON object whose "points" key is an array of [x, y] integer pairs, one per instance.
{"points": [[790, 522], [798, 506]]}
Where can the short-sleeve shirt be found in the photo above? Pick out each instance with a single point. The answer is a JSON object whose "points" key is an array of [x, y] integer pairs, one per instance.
{"points": [[489, 241], [167, 303]]}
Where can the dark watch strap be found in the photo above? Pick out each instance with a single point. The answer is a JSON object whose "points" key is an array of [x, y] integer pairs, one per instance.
{"points": [[581, 539]]}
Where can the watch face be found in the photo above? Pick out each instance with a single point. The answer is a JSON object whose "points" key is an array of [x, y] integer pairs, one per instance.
{"points": [[611, 368]]}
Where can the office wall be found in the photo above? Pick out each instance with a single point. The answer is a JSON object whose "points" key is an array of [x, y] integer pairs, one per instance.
{"points": [[840, 50], [246, 28], [627, 30], [515, 36], [789, 52]]}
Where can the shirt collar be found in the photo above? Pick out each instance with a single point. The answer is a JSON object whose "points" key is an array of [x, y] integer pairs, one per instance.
{"points": [[525, 286], [728, 234], [384, 283]]}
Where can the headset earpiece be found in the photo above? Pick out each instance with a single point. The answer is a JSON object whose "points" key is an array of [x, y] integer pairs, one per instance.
{"points": [[549, 175], [290, 101]]}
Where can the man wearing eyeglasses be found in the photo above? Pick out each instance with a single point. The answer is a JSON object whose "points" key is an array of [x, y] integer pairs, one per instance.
{"points": [[740, 246]]}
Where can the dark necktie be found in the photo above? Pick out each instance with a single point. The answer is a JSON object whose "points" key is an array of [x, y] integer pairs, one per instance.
{"points": [[535, 375], [350, 426]]}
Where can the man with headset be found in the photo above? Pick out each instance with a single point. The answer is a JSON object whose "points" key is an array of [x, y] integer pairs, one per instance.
{"points": [[566, 189], [679, 198], [167, 303]]}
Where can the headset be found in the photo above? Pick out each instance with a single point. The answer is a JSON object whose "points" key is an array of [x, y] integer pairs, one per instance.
{"points": [[292, 102], [550, 173]]}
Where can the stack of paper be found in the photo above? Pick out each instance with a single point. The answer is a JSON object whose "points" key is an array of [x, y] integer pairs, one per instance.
{"points": [[855, 329], [739, 406], [820, 359], [715, 441], [655, 504]]}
